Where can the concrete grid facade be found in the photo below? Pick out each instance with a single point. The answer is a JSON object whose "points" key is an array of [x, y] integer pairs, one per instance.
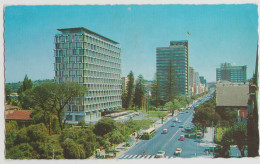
{"points": [[177, 54], [94, 61], [231, 73]]}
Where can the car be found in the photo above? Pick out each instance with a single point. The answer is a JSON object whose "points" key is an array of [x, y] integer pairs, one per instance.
{"points": [[175, 119], [188, 129], [181, 112], [173, 125], [178, 151], [165, 131], [179, 121], [160, 154], [182, 138], [187, 111], [181, 126]]}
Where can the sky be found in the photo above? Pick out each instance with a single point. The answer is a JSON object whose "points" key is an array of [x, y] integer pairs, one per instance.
{"points": [[218, 34]]}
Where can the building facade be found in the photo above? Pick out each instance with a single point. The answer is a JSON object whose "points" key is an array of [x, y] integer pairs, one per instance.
{"points": [[231, 73], [191, 81], [94, 61], [124, 83], [174, 57]]}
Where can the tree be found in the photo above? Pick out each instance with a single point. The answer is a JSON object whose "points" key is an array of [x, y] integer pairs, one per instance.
{"points": [[8, 97], [139, 91], [161, 115], [73, 150], [45, 100], [27, 84], [156, 96], [236, 135], [26, 99], [115, 137], [172, 83], [104, 126], [66, 93], [173, 105], [130, 90]]}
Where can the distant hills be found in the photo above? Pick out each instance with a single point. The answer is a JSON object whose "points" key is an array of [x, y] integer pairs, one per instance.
{"points": [[15, 86]]}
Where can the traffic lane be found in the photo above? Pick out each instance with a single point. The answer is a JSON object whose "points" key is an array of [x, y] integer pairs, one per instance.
{"points": [[157, 143], [175, 143]]}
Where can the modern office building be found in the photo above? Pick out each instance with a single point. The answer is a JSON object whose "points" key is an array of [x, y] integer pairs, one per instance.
{"points": [[94, 61], [203, 80], [191, 80], [173, 60], [227, 72]]}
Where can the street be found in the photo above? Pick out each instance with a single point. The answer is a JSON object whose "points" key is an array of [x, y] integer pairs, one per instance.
{"points": [[168, 142]]}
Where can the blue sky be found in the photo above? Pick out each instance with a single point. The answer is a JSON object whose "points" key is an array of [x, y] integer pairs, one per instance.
{"points": [[219, 33]]}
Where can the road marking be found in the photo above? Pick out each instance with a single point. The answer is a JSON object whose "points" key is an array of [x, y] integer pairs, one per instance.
{"points": [[122, 156], [130, 156], [148, 156], [139, 156], [134, 156], [152, 156], [126, 156]]}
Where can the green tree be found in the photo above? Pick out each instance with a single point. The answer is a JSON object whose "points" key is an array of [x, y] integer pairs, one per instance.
{"points": [[26, 99], [156, 94], [45, 98], [51, 98], [139, 91], [115, 137], [130, 90], [21, 151], [27, 84], [235, 135], [172, 83], [73, 150], [8, 96], [67, 92], [104, 126], [161, 115]]}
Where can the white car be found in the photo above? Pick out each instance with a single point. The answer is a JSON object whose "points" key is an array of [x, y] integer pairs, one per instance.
{"points": [[160, 154], [178, 151], [165, 131]]}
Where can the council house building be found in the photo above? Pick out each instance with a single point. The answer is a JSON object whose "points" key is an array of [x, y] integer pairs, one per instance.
{"points": [[90, 59]]}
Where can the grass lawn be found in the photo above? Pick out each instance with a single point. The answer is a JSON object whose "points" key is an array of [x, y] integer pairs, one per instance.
{"points": [[153, 113]]}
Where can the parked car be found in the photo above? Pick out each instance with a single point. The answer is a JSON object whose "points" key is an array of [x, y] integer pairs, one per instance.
{"points": [[182, 138], [175, 119], [188, 129], [160, 154], [178, 151], [173, 125], [165, 131], [181, 126]]}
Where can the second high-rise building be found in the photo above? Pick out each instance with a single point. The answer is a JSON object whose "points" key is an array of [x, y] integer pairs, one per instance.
{"points": [[173, 60], [93, 60]]}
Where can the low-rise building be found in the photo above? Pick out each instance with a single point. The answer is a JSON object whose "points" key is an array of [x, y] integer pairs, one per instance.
{"points": [[233, 96]]}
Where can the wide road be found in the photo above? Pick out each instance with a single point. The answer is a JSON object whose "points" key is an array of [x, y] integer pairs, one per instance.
{"points": [[168, 142]]}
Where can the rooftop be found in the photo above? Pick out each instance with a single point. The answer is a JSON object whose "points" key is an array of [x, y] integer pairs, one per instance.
{"points": [[73, 30], [232, 95], [18, 115]]}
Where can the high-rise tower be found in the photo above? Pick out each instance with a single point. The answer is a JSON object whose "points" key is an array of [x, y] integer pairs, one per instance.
{"points": [[93, 60]]}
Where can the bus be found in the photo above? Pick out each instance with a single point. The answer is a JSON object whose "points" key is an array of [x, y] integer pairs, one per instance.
{"points": [[148, 134]]}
